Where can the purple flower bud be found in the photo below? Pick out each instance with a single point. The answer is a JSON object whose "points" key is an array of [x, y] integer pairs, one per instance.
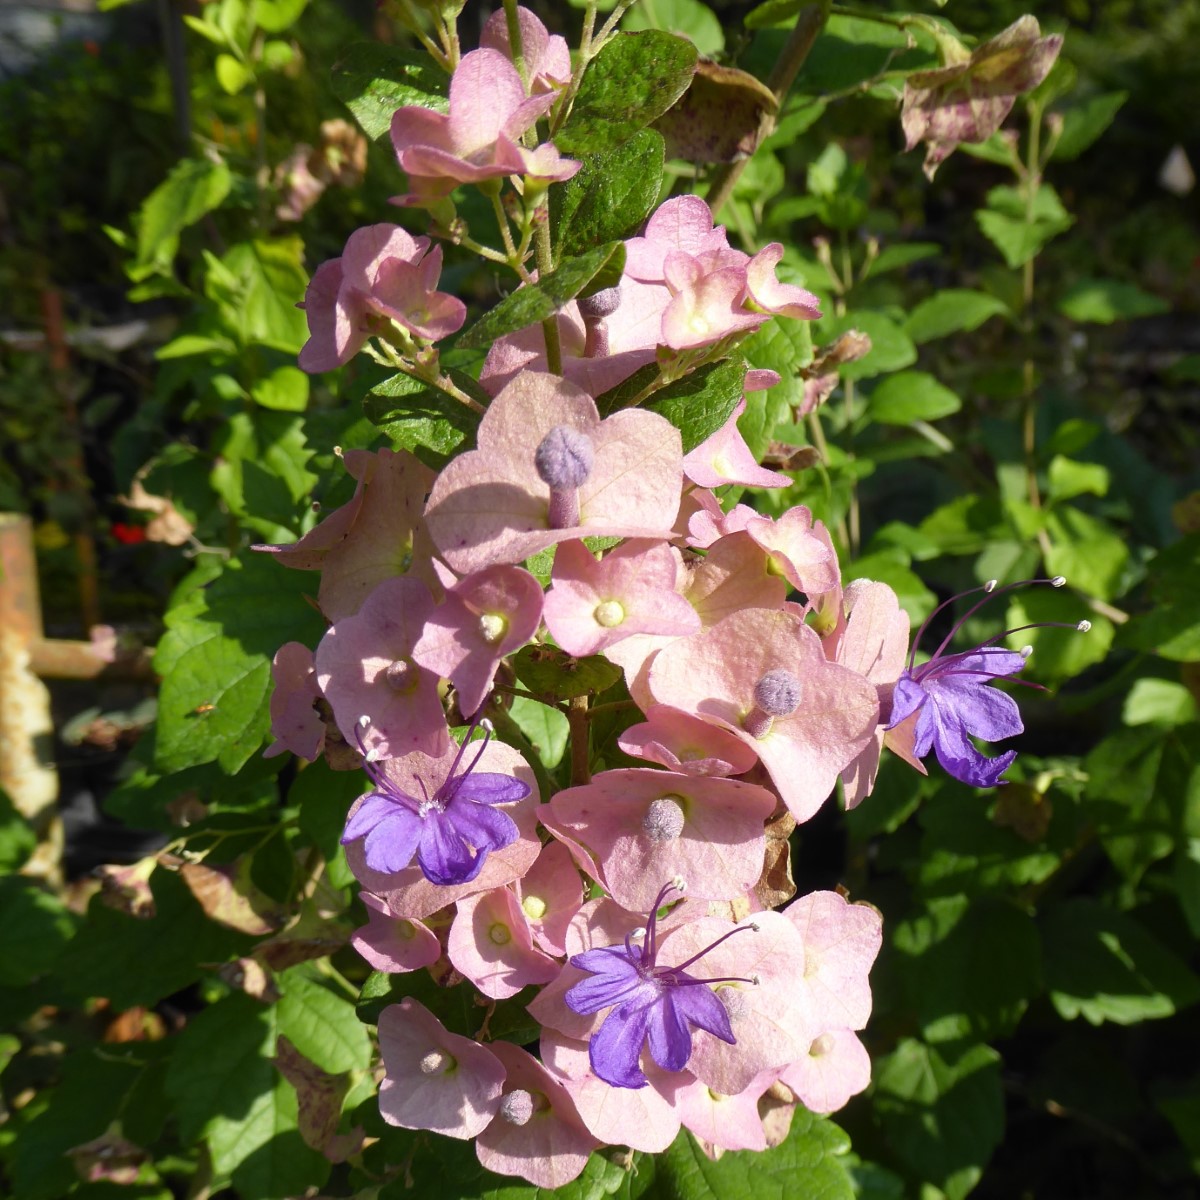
{"points": [[599, 304], [517, 1107], [564, 458], [777, 693]]}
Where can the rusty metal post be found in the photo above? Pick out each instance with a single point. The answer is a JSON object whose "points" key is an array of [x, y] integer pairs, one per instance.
{"points": [[27, 771]]}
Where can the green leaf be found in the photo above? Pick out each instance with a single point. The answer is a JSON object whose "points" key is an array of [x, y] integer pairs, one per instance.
{"points": [[628, 85], [1171, 626], [1159, 702], [215, 662], [689, 18], [911, 396], [225, 1088], [611, 195], [232, 74], [284, 390], [1058, 654], [374, 80], [133, 960], [1084, 123], [194, 187], [970, 966], [420, 417], [1018, 235], [324, 797], [545, 727], [322, 1025], [702, 401], [953, 310], [902, 254], [275, 16], [1087, 550], [591, 272], [1067, 478], [256, 287], [943, 1115], [552, 672], [1103, 301], [809, 1163], [1105, 966], [35, 925], [17, 839]]}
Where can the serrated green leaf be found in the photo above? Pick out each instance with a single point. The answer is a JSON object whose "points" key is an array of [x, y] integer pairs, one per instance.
{"points": [[373, 80], [1159, 702], [591, 272], [943, 1115], [1058, 654], [689, 18], [1088, 551], [549, 671], [891, 348], [952, 310], [911, 396], [1104, 965], [1066, 478], [322, 1025], [285, 389], [215, 661], [420, 417], [35, 926], [1103, 301], [194, 187], [1084, 123], [969, 966], [630, 83], [256, 287], [1018, 235], [702, 401], [1170, 627], [610, 197], [545, 727]]}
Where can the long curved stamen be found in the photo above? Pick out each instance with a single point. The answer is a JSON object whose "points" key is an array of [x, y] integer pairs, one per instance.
{"points": [[989, 587], [650, 946], [368, 763], [752, 928], [992, 591], [723, 979]]}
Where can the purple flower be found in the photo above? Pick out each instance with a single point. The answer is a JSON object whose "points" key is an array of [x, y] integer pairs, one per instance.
{"points": [[658, 1002], [951, 693], [451, 832]]}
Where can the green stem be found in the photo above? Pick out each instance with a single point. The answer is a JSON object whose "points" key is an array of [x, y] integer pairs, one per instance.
{"points": [[515, 45], [545, 262], [577, 719]]}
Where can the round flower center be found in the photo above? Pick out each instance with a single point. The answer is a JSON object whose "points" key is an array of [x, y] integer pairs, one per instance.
{"points": [[406, 930], [492, 627], [535, 907], [564, 458], [436, 1062], [822, 1045], [609, 613], [401, 675], [518, 1106], [663, 821], [499, 934], [777, 693]]}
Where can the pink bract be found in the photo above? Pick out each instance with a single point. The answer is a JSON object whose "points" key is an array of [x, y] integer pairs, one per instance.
{"points": [[478, 138], [836, 1067], [550, 896], [391, 944], [490, 944], [435, 1079], [484, 618], [294, 722], [491, 506], [365, 668], [714, 675], [551, 1147], [681, 742], [723, 457], [547, 58], [728, 1122], [644, 826], [594, 603]]}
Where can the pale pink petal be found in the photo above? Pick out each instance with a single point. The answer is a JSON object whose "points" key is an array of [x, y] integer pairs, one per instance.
{"points": [[550, 895], [552, 1147], [491, 945], [294, 722], [627, 818], [367, 250], [681, 742], [485, 93], [769, 295], [805, 559], [735, 575], [723, 457], [547, 58], [391, 944], [729, 1122], [435, 1079], [640, 1118], [334, 321], [836, 1067]]}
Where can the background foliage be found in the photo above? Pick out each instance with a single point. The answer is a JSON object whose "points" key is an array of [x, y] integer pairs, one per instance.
{"points": [[1028, 404]]}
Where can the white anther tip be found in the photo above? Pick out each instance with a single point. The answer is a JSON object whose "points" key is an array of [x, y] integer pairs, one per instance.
{"points": [[1058, 581], [1025, 651], [364, 722], [639, 932], [991, 585], [679, 883], [1084, 626]]}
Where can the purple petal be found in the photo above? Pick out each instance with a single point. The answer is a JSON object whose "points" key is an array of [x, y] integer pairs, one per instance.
{"points": [[390, 846], [958, 756], [484, 828], [988, 662], [670, 1038], [375, 808], [615, 981], [615, 1048], [443, 856], [485, 787], [906, 699], [702, 1007], [986, 712]]}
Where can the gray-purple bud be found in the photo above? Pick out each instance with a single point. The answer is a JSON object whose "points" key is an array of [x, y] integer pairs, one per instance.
{"points": [[564, 458], [664, 820], [777, 693], [599, 304], [517, 1107]]}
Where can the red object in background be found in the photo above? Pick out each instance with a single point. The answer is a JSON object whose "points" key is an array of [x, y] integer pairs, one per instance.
{"points": [[128, 535]]}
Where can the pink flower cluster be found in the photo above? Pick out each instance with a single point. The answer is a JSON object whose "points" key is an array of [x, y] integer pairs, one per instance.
{"points": [[671, 993]]}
